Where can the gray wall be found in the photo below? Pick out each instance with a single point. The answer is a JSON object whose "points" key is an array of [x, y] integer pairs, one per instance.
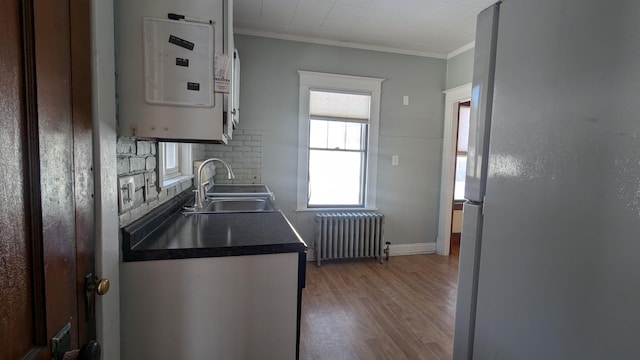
{"points": [[460, 69], [409, 193]]}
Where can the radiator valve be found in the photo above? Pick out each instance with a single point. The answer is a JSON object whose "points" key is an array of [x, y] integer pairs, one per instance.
{"points": [[386, 250]]}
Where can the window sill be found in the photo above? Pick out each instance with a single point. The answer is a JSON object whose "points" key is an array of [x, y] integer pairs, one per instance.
{"points": [[174, 181]]}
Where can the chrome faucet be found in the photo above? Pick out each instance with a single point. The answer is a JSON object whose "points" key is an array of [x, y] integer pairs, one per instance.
{"points": [[200, 191]]}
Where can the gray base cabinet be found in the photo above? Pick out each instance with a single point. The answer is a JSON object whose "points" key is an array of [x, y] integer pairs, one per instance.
{"points": [[234, 307]]}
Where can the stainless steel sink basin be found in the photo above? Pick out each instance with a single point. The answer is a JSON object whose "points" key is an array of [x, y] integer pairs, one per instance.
{"points": [[238, 190], [235, 204], [240, 204]]}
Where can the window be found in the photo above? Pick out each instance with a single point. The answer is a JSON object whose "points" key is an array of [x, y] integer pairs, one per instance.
{"points": [[464, 113], [174, 163], [338, 137], [171, 162]]}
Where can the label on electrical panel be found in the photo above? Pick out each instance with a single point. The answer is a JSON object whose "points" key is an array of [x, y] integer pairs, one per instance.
{"points": [[193, 86], [181, 42], [182, 62]]}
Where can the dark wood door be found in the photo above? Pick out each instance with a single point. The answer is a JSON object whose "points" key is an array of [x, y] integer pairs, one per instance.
{"points": [[46, 180]]}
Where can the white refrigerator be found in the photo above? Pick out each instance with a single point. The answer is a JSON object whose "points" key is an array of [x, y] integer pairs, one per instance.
{"points": [[550, 247]]}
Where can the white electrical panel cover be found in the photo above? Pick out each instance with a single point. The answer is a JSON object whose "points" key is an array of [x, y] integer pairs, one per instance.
{"points": [[178, 63]]}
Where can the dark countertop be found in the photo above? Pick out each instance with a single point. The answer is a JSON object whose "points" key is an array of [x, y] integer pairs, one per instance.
{"points": [[165, 233]]}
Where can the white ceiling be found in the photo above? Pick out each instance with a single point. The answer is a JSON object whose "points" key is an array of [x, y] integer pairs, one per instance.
{"points": [[435, 28]]}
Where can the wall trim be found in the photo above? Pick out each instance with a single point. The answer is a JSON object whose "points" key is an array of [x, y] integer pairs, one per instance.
{"points": [[452, 98], [461, 49], [107, 244], [347, 44]]}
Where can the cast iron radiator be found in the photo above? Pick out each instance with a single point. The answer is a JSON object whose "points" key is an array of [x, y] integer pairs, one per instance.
{"points": [[349, 235]]}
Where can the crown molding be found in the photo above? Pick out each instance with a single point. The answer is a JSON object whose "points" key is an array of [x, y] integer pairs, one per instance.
{"points": [[461, 49], [347, 44]]}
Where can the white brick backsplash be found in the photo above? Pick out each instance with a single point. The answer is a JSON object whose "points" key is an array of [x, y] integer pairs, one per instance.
{"points": [[123, 166], [125, 218], [138, 197], [252, 154], [136, 164], [162, 196], [241, 148], [137, 158], [150, 163], [233, 155], [153, 177], [243, 153], [144, 148], [138, 181], [140, 211], [152, 194], [126, 146], [210, 154], [153, 203]]}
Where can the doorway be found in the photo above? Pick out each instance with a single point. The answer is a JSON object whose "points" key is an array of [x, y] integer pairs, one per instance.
{"points": [[462, 141], [453, 97]]}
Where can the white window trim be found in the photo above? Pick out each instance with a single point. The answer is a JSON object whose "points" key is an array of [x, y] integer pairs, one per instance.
{"points": [[185, 165], [315, 80]]}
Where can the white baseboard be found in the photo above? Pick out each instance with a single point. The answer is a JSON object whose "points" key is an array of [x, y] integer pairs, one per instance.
{"points": [[396, 250], [412, 249]]}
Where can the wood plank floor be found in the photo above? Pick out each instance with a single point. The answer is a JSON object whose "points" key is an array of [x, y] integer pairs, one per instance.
{"points": [[403, 309]]}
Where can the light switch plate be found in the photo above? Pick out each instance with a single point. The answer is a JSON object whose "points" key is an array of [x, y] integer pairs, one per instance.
{"points": [[126, 192], [395, 160]]}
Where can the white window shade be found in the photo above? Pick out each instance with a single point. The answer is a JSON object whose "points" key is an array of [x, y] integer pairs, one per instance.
{"points": [[339, 105]]}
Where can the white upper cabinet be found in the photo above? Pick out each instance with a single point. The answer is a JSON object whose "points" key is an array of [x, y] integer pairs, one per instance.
{"points": [[175, 69]]}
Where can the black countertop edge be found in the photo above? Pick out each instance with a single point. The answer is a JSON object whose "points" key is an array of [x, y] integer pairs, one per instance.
{"points": [[137, 231], [175, 254]]}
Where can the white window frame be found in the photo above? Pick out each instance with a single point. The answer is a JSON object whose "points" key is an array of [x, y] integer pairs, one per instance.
{"points": [[333, 82], [185, 165]]}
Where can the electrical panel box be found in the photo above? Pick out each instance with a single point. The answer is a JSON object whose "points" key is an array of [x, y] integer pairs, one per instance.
{"points": [[178, 62], [166, 69]]}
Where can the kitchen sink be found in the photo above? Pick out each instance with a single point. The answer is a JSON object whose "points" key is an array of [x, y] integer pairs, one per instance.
{"points": [[235, 205], [238, 190]]}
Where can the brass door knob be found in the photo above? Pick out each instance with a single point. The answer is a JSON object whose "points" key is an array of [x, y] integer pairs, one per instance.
{"points": [[100, 286]]}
